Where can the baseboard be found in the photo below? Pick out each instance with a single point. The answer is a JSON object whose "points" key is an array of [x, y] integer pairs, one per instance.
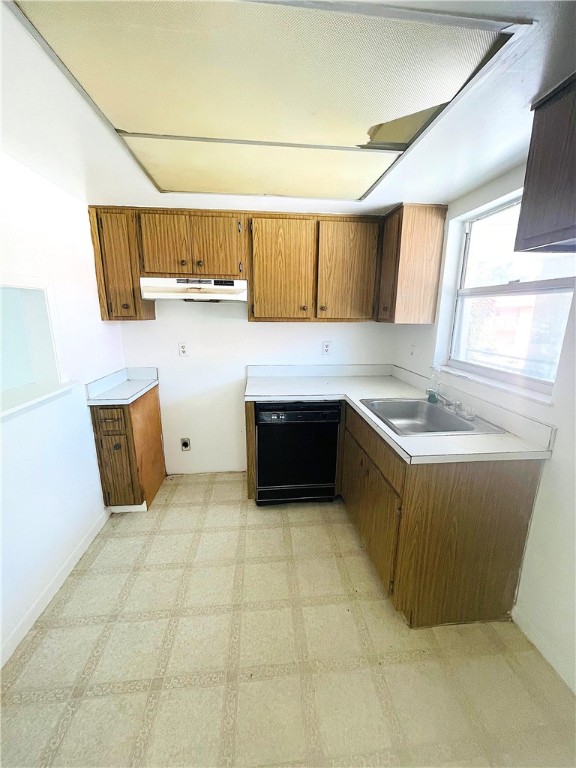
{"points": [[26, 623]]}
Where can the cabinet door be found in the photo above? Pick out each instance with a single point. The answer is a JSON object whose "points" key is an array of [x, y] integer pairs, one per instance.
{"points": [[118, 259], [219, 245], [165, 240], [283, 268], [353, 480], [116, 471], [548, 208], [373, 507], [347, 259], [389, 274], [381, 535]]}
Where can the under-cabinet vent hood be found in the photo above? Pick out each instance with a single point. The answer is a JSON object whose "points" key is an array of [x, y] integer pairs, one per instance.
{"points": [[193, 289]]}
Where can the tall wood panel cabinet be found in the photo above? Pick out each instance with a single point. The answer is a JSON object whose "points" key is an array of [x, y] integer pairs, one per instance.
{"points": [[412, 243], [130, 451], [117, 265], [548, 209]]}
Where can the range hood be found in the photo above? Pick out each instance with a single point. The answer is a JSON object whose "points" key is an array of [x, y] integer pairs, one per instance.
{"points": [[193, 289]]}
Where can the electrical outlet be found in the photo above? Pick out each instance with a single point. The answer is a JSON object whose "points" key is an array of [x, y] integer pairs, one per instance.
{"points": [[326, 347], [183, 349], [185, 443]]}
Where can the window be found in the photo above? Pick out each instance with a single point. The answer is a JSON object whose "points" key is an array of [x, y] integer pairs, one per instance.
{"points": [[511, 308]]}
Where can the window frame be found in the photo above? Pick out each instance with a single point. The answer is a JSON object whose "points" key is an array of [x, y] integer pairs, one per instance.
{"points": [[513, 288]]}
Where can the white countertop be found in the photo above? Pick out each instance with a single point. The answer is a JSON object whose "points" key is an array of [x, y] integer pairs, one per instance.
{"points": [[414, 449], [121, 387]]}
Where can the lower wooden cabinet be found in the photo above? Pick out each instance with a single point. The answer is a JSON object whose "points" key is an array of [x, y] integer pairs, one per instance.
{"points": [[449, 545], [130, 451], [373, 506]]}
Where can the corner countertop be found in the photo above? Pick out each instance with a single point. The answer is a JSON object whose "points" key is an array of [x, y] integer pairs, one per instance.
{"points": [[414, 449], [121, 387]]}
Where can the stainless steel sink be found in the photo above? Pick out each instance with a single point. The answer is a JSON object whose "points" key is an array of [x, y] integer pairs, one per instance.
{"points": [[419, 417]]}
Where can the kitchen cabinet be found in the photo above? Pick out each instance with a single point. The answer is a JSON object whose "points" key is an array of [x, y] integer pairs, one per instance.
{"points": [[117, 267], [548, 209], [308, 269], [130, 451], [283, 268], [456, 553], [373, 506], [411, 258], [177, 243], [347, 260]]}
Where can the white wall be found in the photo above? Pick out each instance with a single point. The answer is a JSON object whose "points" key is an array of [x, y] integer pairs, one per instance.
{"points": [[546, 604], [201, 396], [52, 503]]}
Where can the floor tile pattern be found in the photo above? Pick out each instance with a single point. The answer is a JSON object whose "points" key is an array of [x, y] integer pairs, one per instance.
{"points": [[212, 632]]}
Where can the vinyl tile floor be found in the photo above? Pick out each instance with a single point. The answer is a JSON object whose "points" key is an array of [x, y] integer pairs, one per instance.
{"points": [[212, 632]]}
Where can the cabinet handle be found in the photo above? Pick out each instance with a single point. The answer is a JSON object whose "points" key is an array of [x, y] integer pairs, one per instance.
{"points": [[182, 262], [117, 446], [304, 307], [200, 263], [125, 306], [239, 226], [323, 307], [385, 308]]}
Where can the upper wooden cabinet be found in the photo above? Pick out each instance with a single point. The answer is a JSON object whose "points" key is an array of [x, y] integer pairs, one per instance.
{"points": [[548, 210], [181, 244], [165, 243], [304, 269], [347, 259], [411, 258], [219, 245], [117, 266], [283, 268]]}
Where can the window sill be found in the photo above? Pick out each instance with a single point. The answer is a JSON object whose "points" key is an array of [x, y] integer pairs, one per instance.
{"points": [[537, 397]]}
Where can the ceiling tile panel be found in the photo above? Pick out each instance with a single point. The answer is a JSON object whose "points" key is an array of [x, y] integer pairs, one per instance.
{"points": [[196, 166], [254, 71]]}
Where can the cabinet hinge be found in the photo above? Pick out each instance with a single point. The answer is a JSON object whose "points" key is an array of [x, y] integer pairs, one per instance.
{"points": [[239, 227], [252, 308], [251, 227], [110, 307]]}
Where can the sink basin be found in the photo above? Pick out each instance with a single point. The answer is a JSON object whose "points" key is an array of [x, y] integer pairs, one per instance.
{"points": [[419, 417]]}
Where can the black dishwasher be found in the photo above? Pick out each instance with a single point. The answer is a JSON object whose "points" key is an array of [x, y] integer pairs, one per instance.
{"points": [[296, 448]]}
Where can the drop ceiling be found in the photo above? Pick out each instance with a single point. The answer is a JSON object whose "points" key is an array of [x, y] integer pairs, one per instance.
{"points": [[263, 99]]}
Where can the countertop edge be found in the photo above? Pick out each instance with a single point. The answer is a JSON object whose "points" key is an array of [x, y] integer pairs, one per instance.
{"points": [[535, 453], [146, 386]]}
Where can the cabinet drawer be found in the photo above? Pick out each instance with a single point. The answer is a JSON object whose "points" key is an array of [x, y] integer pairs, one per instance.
{"points": [[109, 421], [390, 465]]}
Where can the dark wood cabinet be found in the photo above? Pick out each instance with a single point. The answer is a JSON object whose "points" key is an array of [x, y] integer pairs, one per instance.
{"points": [[130, 451], [548, 209]]}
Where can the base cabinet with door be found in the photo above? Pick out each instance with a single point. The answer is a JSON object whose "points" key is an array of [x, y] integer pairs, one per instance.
{"points": [[129, 449], [447, 539]]}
